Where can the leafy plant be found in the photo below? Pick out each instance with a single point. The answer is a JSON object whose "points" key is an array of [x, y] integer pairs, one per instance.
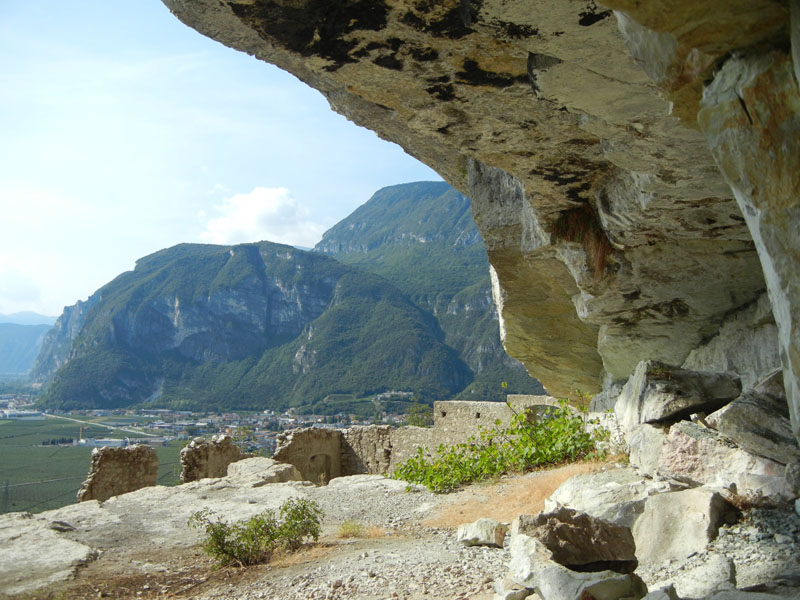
{"points": [[253, 541], [525, 444]]}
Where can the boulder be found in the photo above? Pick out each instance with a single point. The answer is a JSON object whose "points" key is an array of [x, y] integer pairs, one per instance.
{"points": [[614, 495], [665, 593], [703, 579], [701, 456], [532, 566], [659, 392], [508, 589], [258, 471], [645, 442], [579, 541], [676, 524], [483, 532], [759, 423]]}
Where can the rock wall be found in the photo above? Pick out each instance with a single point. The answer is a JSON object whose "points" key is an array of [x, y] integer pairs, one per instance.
{"points": [[366, 449], [116, 471], [315, 452], [203, 458], [632, 165]]}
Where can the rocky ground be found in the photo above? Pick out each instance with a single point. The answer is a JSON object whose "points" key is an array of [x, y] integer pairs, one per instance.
{"points": [[138, 546], [406, 547]]}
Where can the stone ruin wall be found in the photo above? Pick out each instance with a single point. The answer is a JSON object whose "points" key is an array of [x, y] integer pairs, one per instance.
{"points": [[316, 452], [117, 471], [203, 458], [322, 454]]}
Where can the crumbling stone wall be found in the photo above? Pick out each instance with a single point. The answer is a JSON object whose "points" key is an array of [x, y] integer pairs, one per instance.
{"points": [[366, 449], [203, 458], [322, 454], [316, 452], [117, 471]]}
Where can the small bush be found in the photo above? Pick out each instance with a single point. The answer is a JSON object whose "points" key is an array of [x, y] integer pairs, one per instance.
{"points": [[254, 541], [523, 445], [351, 529]]}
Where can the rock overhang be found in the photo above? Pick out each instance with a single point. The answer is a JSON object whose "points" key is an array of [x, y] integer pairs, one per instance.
{"points": [[612, 234]]}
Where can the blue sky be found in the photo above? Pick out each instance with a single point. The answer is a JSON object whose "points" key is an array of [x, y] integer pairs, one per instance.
{"points": [[122, 132]]}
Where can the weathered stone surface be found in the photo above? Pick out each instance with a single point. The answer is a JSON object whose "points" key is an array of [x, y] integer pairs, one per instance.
{"points": [[747, 344], [715, 574], [258, 471], [203, 458], [604, 217], [702, 456], [674, 525], [532, 566], [507, 589], [118, 471], [579, 541], [316, 452], [615, 495], [750, 116], [645, 442], [760, 424], [665, 593], [366, 449], [740, 595], [483, 532], [44, 555], [658, 392]]}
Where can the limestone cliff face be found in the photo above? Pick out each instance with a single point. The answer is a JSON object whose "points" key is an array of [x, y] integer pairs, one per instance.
{"points": [[57, 342], [632, 166]]}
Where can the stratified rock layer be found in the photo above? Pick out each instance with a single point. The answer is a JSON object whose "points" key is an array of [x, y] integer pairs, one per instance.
{"points": [[612, 234]]}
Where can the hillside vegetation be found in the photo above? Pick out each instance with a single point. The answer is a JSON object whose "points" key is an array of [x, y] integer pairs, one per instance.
{"points": [[422, 238]]}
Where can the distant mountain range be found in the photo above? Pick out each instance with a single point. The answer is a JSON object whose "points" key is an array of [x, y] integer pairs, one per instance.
{"points": [[403, 305], [27, 317], [21, 337]]}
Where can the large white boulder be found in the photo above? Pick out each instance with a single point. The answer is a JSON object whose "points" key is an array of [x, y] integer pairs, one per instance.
{"points": [[759, 423], [483, 532], [615, 495], [532, 566], [702, 456], [676, 524], [659, 392]]}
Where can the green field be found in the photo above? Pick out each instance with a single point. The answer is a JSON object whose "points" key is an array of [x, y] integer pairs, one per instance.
{"points": [[34, 477]]}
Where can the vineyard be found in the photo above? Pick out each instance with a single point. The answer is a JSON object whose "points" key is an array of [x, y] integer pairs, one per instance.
{"points": [[38, 475]]}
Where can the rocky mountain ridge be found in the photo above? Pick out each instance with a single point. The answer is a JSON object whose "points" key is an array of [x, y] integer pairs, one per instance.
{"points": [[254, 325]]}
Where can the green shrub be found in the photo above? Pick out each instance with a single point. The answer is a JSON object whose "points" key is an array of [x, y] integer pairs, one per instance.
{"points": [[253, 541], [525, 444]]}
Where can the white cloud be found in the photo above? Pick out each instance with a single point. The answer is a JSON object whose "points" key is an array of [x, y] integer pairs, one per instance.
{"points": [[263, 214]]}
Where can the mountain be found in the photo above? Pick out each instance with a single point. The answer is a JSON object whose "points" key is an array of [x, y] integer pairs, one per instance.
{"points": [[19, 345], [422, 238], [254, 326], [27, 317]]}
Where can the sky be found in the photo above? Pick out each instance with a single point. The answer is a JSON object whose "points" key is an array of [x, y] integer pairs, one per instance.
{"points": [[122, 132]]}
